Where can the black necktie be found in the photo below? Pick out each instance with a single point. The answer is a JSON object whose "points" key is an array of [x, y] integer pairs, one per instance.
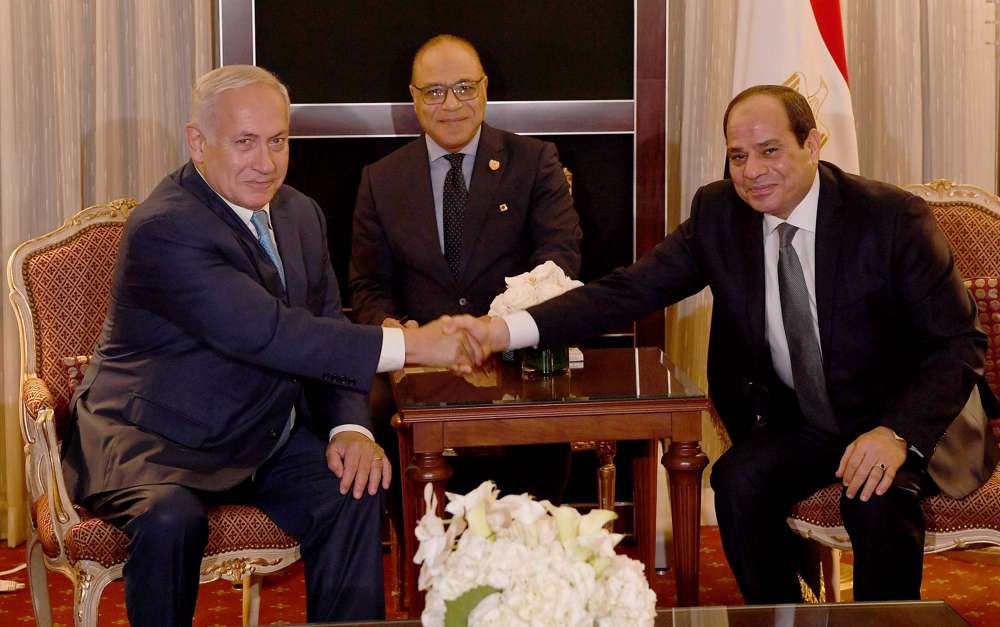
{"points": [[803, 345], [456, 194]]}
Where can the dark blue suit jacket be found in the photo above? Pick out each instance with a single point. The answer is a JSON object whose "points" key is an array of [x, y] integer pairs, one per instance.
{"points": [[203, 354]]}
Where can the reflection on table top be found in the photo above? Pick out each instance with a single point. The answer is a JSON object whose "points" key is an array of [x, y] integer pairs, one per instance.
{"points": [[888, 614], [607, 374]]}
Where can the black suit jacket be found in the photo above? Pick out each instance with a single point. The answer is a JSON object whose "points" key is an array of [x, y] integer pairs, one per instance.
{"points": [[203, 354], [898, 330], [520, 214]]}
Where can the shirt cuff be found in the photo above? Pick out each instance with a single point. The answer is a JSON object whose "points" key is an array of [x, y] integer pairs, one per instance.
{"points": [[393, 355], [522, 329], [355, 428]]}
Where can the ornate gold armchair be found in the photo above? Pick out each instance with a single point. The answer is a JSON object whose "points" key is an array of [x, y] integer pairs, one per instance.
{"points": [[970, 218], [59, 288]]}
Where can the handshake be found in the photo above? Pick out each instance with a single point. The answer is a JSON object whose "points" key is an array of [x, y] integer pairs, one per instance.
{"points": [[460, 343]]}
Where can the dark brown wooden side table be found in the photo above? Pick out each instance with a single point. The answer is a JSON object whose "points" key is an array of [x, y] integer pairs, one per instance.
{"points": [[619, 394]]}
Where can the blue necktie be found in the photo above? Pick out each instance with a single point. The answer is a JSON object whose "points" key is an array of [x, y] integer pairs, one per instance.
{"points": [[259, 221]]}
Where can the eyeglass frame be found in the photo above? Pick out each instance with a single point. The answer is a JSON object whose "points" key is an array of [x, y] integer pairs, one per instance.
{"points": [[449, 88]]}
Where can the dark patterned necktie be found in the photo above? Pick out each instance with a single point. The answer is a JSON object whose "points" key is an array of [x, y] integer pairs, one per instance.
{"points": [[803, 345], [456, 195]]}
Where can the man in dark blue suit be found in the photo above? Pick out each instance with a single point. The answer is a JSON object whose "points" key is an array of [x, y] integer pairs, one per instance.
{"points": [[224, 338]]}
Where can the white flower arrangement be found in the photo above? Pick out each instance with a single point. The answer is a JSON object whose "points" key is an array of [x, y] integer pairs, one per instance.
{"points": [[515, 561], [546, 281]]}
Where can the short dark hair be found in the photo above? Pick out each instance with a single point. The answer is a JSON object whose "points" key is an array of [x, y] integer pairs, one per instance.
{"points": [[441, 39], [800, 115]]}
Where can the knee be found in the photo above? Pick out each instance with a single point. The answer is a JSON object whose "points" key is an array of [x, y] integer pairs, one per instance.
{"points": [[730, 477], [888, 511], [178, 516]]}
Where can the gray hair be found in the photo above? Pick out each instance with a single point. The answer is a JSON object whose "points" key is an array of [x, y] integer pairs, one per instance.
{"points": [[227, 77]]}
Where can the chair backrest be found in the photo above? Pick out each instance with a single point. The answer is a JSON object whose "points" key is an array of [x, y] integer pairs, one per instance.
{"points": [[59, 286], [969, 216]]}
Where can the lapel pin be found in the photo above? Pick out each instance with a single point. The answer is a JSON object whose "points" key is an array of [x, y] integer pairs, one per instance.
{"points": [[494, 165], [503, 207]]}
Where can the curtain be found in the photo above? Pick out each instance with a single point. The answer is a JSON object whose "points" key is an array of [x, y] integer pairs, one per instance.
{"points": [[95, 94], [924, 88]]}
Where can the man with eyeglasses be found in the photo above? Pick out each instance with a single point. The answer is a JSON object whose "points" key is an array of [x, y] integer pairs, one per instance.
{"points": [[440, 222]]}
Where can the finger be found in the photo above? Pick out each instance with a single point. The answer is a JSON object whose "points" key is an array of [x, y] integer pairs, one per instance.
{"points": [[375, 473], [448, 325], [351, 461], [887, 478], [334, 461], [362, 482], [391, 322], [472, 349], [364, 471], [871, 482], [386, 474], [854, 469], [411, 324], [843, 460], [859, 474]]}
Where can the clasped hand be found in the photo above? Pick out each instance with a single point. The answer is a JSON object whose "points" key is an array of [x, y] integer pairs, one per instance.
{"points": [[460, 343]]}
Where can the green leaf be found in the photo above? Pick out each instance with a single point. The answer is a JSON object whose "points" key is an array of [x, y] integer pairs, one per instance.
{"points": [[456, 612]]}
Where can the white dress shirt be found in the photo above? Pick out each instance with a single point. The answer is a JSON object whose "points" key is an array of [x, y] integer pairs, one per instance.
{"points": [[804, 218]]}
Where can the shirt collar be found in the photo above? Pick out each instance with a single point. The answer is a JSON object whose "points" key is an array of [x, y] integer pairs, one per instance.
{"points": [[435, 151], [803, 216], [243, 213]]}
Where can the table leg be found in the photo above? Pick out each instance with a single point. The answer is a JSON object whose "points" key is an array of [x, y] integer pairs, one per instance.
{"points": [[644, 498], [606, 476], [424, 468], [685, 462]]}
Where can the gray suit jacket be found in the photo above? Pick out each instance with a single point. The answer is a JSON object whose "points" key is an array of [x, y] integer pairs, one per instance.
{"points": [[520, 214], [203, 354]]}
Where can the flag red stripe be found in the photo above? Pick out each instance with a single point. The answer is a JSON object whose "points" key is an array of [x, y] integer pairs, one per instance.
{"points": [[827, 13]]}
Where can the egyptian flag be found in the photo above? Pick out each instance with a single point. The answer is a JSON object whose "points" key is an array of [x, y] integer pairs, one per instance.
{"points": [[800, 43]]}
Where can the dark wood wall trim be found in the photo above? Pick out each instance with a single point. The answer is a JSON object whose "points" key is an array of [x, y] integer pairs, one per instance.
{"points": [[387, 119], [235, 24], [650, 144]]}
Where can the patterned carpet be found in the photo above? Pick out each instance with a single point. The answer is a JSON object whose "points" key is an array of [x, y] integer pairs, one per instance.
{"points": [[972, 589]]}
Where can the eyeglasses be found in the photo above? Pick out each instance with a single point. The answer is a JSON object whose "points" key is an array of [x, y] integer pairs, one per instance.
{"points": [[436, 94]]}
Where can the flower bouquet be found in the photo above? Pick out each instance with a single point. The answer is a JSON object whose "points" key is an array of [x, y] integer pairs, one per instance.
{"points": [[546, 281], [516, 561]]}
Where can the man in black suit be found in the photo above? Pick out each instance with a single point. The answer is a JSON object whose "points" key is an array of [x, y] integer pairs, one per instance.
{"points": [[440, 222], [223, 338], [843, 345]]}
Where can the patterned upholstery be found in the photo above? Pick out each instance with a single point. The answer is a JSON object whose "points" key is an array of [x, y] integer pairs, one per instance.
{"points": [[942, 514], [230, 528], [60, 284], [68, 284], [974, 235]]}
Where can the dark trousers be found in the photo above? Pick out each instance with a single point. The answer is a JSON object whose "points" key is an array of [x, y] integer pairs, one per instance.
{"points": [[758, 480], [541, 470], [168, 530]]}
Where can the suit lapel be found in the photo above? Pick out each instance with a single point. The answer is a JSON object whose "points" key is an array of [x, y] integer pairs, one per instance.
{"points": [[829, 234], [289, 249], [752, 232], [192, 181], [482, 191]]}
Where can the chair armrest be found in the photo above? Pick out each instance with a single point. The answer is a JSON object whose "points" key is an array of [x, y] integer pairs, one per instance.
{"points": [[36, 396]]}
